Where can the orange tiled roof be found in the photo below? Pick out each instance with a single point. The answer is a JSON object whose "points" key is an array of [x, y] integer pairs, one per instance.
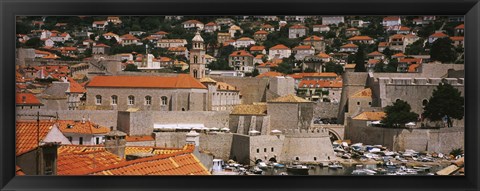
{"points": [[321, 83], [76, 159], [245, 39], [75, 87], [71, 126], [373, 61], [27, 99], [323, 55], [110, 34], [192, 22], [279, 47], [161, 33], [211, 24], [411, 60], [270, 74], [456, 38], [391, 18], [370, 116], [438, 35], [398, 55], [99, 22], [352, 29], [177, 49], [241, 53], [303, 47], [261, 32], [26, 137], [360, 38], [396, 36], [404, 28], [413, 67], [181, 81], [180, 163], [298, 27], [375, 53], [139, 138], [128, 37], [461, 26], [101, 45], [383, 44], [314, 38], [18, 171], [153, 150], [349, 46], [257, 48], [365, 93]]}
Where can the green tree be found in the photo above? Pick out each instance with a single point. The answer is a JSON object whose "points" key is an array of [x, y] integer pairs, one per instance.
{"points": [[34, 43], [285, 68], [220, 64], [131, 68], [415, 48], [442, 50], [380, 67], [446, 102], [398, 114], [255, 72], [360, 59]]}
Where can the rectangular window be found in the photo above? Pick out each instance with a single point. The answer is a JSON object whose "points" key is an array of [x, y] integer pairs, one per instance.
{"points": [[80, 141], [114, 100], [97, 140]]}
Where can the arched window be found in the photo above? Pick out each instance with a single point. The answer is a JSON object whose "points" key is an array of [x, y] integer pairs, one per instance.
{"points": [[164, 100], [148, 100], [195, 73], [315, 158], [272, 149], [131, 100], [296, 158], [114, 100], [98, 99], [265, 150], [195, 59]]}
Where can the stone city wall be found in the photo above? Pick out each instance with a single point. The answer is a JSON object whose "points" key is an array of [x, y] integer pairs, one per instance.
{"points": [[433, 140]]}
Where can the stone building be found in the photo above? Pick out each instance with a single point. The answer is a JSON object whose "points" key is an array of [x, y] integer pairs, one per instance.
{"points": [[297, 31], [317, 42], [171, 93], [197, 57], [221, 96], [241, 60], [279, 51], [332, 20], [321, 90], [223, 37], [303, 51], [290, 112], [100, 49], [260, 35]]}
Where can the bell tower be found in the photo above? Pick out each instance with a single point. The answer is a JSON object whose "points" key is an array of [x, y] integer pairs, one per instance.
{"points": [[197, 57]]}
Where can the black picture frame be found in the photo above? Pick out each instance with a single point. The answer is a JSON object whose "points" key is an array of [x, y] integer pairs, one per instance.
{"points": [[9, 9]]}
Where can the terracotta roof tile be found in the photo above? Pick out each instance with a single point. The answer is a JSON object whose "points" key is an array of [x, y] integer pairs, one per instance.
{"points": [[279, 47], [71, 126], [375, 53], [76, 159], [270, 74], [439, 35], [365, 93], [461, 26], [303, 47], [75, 87], [391, 18], [181, 81], [261, 32], [361, 38], [257, 48], [139, 138], [370, 116], [457, 38], [128, 37], [27, 99], [180, 163], [241, 53], [26, 137], [349, 46], [313, 37], [18, 171], [298, 27]]}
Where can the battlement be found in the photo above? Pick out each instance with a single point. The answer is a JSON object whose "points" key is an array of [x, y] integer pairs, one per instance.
{"points": [[303, 133], [421, 81]]}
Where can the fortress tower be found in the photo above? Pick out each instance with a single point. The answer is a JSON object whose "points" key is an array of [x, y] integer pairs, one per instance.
{"points": [[197, 57]]}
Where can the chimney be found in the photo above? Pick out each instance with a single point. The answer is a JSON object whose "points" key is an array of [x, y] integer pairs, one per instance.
{"points": [[83, 119], [115, 142], [193, 138]]}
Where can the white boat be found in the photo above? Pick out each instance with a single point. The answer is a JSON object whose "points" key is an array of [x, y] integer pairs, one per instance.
{"points": [[298, 169], [335, 166], [262, 165]]}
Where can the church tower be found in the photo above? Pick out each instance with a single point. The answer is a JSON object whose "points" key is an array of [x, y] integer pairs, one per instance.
{"points": [[197, 57]]}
